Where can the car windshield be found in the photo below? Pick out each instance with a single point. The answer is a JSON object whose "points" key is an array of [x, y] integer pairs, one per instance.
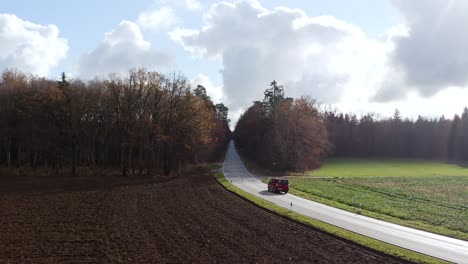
{"points": [[285, 182]]}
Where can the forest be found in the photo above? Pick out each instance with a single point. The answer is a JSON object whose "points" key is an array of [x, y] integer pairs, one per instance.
{"points": [[396, 137], [146, 122], [141, 123], [294, 134]]}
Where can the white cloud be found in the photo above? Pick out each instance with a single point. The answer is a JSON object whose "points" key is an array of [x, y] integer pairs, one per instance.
{"points": [[432, 55], [447, 102], [158, 18], [121, 49], [30, 47], [319, 56], [190, 5], [193, 4]]}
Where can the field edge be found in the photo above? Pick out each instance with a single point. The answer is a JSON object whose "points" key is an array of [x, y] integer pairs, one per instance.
{"points": [[328, 228]]}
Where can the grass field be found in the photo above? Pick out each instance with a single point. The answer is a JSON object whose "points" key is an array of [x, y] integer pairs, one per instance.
{"points": [[427, 195], [387, 168]]}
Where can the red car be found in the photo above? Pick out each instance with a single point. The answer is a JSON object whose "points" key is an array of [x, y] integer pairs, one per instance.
{"points": [[278, 185]]}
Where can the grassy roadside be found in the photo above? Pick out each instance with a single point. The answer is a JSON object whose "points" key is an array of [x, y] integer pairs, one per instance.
{"points": [[384, 217], [362, 240]]}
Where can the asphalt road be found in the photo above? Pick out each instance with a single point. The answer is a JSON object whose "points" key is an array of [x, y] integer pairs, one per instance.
{"points": [[438, 246]]}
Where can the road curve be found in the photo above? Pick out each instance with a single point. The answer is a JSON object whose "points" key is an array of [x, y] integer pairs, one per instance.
{"points": [[438, 246]]}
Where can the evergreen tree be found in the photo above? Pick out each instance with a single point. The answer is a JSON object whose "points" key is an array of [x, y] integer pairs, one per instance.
{"points": [[273, 97]]}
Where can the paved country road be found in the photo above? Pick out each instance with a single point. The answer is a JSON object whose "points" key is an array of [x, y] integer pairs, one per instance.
{"points": [[438, 246]]}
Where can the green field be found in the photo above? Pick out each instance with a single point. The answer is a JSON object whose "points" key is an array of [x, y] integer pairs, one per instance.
{"points": [[427, 195], [387, 168]]}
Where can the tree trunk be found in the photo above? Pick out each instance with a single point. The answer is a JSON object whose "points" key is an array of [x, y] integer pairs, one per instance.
{"points": [[9, 158], [73, 169], [124, 162], [166, 160]]}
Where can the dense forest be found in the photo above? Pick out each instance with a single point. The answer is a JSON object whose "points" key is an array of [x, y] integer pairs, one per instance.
{"points": [[282, 133], [397, 137], [141, 123], [147, 122], [292, 134]]}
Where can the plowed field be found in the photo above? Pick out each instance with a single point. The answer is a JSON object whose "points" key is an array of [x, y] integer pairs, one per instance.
{"points": [[186, 219]]}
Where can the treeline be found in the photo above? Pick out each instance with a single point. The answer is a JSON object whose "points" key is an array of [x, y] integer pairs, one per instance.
{"points": [[282, 133], [142, 123], [292, 134], [441, 138]]}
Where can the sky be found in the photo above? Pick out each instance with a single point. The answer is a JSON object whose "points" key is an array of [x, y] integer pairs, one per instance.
{"points": [[361, 56]]}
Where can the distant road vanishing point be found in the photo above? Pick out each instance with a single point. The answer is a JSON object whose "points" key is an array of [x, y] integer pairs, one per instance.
{"points": [[434, 245]]}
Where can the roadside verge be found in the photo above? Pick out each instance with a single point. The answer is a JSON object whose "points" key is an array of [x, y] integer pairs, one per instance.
{"points": [[324, 227]]}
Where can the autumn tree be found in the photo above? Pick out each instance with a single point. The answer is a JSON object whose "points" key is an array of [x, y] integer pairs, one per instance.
{"points": [[282, 133], [142, 122], [12, 88]]}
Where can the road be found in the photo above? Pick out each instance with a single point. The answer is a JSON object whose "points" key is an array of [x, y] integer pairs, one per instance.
{"points": [[438, 246]]}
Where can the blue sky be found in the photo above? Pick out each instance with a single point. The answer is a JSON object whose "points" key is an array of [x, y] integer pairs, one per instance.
{"points": [[83, 22], [361, 56]]}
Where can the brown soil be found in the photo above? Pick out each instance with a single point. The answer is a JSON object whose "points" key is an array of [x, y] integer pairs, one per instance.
{"points": [[189, 219]]}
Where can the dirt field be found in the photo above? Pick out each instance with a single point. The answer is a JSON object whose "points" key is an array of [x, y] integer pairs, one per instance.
{"points": [[180, 220]]}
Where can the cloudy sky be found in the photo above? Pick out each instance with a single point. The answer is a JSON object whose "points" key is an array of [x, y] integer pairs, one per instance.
{"points": [[357, 56]]}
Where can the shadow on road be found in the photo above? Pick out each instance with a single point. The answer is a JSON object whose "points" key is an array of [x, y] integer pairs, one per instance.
{"points": [[267, 193]]}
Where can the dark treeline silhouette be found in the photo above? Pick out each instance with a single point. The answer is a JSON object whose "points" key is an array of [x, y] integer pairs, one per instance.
{"points": [[282, 133], [423, 138], [286, 134], [142, 123]]}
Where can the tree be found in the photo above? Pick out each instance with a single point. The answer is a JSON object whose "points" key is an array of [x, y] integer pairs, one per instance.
{"points": [[396, 115], [396, 136], [74, 110], [273, 96], [136, 122], [455, 138], [222, 112], [12, 89], [282, 133], [200, 92]]}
